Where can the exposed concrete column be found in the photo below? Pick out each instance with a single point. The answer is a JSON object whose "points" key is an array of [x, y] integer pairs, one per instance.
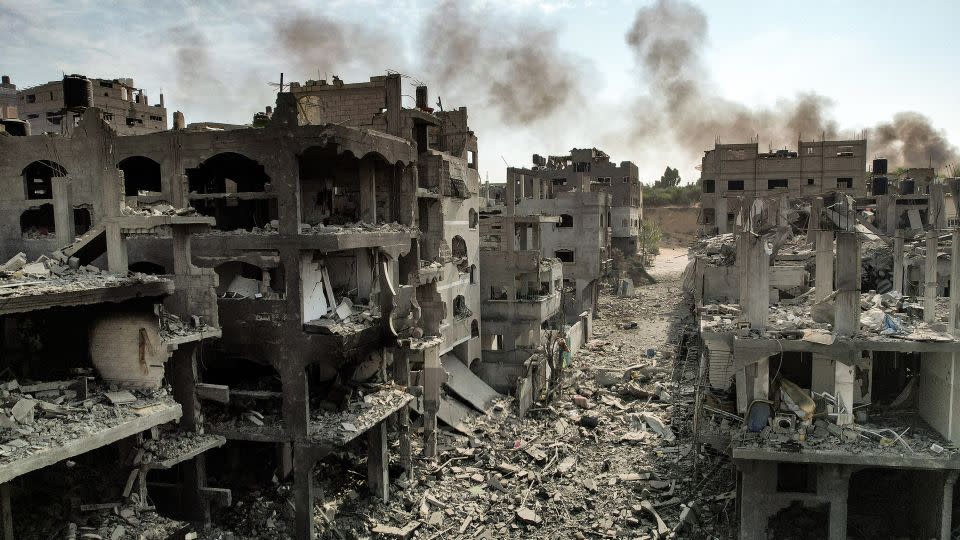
{"points": [[824, 262], [954, 282], [296, 400], [393, 98], [946, 506], [720, 215], [898, 261], [843, 379], [813, 224], [893, 215], [63, 211], [303, 463], [432, 379], [378, 461], [367, 182], [401, 375], [930, 278], [753, 259], [536, 236], [847, 311], [936, 215], [116, 249], [838, 486]]}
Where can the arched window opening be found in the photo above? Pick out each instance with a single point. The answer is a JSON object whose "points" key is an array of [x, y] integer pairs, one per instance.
{"points": [[38, 178], [460, 309], [566, 220], [214, 187], [140, 174], [473, 274], [458, 248], [474, 219], [475, 328]]}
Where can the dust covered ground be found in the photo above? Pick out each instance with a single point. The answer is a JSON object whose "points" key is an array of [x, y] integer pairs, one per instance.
{"points": [[610, 457]]}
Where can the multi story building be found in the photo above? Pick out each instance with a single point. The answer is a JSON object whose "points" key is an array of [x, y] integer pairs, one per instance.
{"points": [[581, 237], [732, 175], [844, 396], [330, 253], [123, 106]]}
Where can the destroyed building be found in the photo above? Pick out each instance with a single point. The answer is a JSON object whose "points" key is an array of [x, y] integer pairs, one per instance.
{"points": [[831, 391], [622, 182], [56, 106], [580, 239], [734, 173], [335, 252], [523, 291]]}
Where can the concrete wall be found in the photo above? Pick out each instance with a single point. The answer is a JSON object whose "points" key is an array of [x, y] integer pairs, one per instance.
{"points": [[939, 379], [678, 222]]}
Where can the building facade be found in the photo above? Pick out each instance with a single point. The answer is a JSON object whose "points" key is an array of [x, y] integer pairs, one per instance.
{"points": [[124, 107], [732, 175]]}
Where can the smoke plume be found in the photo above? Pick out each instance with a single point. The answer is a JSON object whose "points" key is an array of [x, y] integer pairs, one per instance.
{"points": [[668, 38], [316, 41], [518, 67]]}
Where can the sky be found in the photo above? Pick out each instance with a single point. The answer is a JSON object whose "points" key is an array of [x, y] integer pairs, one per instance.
{"points": [[539, 76]]}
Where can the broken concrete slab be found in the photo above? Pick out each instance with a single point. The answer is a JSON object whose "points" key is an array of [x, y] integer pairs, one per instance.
{"points": [[467, 385]]}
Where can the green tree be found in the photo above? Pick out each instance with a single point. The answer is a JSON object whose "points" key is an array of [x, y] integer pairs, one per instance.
{"points": [[670, 178]]}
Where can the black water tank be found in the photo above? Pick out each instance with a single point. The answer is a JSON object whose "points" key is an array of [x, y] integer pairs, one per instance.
{"points": [[16, 127], [907, 187], [880, 166], [77, 92], [422, 97], [879, 185]]}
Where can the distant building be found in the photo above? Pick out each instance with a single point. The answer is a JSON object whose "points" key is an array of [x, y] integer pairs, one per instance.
{"points": [[123, 106], [734, 174], [621, 181]]}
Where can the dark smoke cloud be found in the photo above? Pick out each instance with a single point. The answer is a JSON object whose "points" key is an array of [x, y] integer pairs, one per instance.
{"points": [[316, 41], [518, 67], [668, 38], [910, 140]]}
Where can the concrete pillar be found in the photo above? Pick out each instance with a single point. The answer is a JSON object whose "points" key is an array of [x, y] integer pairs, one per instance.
{"points": [[720, 215], [378, 461], [758, 378], [930, 278], [898, 261], [367, 182], [753, 260], [296, 400], [843, 381], [432, 379], [824, 262], [116, 249], [401, 375], [946, 507], [936, 213], [813, 225], [303, 462], [893, 215], [63, 211], [847, 311], [393, 98], [838, 486], [954, 282], [536, 237]]}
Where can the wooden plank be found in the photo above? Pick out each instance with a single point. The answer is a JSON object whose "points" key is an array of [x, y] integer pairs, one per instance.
{"points": [[213, 392], [82, 445], [256, 394]]}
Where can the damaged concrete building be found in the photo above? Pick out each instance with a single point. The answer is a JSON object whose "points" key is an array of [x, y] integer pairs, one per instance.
{"points": [[56, 106], [735, 173], [581, 239], [324, 268], [833, 397]]}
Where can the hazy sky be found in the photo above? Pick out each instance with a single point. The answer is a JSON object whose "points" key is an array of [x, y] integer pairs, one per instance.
{"points": [[537, 77]]}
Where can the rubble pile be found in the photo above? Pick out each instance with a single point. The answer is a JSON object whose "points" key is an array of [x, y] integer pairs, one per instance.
{"points": [[900, 433], [720, 250], [157, 209], [46, 415], [357, 227], [883, 316], [49, 275], [359, 415], [172, 326], [347, 318], [173, 444]]}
